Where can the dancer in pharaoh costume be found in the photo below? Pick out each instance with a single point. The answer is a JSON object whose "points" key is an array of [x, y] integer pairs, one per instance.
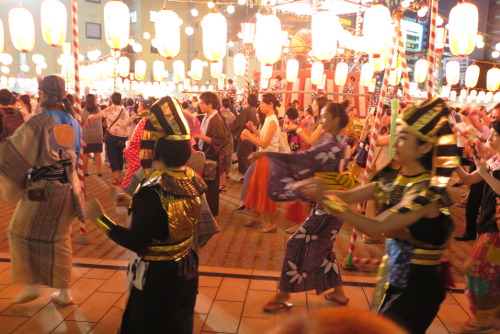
{"points": [[164, 211], [413, 213]]}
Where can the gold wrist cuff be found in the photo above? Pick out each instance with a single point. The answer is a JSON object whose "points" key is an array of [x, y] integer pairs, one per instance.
{"points": [[104, 224], [334, 205]]}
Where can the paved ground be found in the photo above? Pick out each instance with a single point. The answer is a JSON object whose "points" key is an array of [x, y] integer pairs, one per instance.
{"points": [[229, 301], [237, 246]]}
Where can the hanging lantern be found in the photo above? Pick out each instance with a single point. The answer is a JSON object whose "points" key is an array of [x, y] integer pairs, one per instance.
{"points": [[452, 72], [292, 70], [395, 76], [158, 70], [471, 76], [324, 39], [366, 74], [179, 71], [123, 66], [341, 71], [445, 91], [421, 69], [22, 29], [140, 69], [54, 20], [196, 69], [239, 63], [168, 33], [268, 39], [489, 97], [317, 71], [462, 28], [493, 79], [377, 29], [379, 63], [247, 33], [453, 95], [440, 38], [116, 24], [214, 36], [216, 69], [266, 71], [2, 37]]}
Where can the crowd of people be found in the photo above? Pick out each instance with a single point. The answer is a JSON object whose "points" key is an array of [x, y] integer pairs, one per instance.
{"points": [[311, 158]]}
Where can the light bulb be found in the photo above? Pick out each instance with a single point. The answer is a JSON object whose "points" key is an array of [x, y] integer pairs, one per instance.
{"points": [[230, 9], [210, 4], [242, 2], [230, 44], [194, 12], [189, 30], [137, 48], [146, 35]]}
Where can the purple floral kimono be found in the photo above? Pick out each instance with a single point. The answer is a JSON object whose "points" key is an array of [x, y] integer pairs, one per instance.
{"points": [[310, 262]]}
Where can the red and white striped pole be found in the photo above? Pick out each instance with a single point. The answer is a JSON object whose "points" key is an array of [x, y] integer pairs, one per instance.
{"points": [[247, 67], [431, 57], [371, 150], [78, 107], [404, 65]]}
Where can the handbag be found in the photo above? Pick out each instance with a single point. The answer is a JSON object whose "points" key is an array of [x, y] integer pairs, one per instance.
{"points": [[210, 170], [105, 136], [361, 154]]}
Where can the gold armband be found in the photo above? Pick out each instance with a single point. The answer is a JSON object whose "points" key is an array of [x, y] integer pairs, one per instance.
{"points": [[334, 205], [104, 224]]}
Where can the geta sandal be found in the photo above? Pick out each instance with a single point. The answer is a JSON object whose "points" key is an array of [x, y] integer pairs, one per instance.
{"points": [[274, 307], [332, 299]]}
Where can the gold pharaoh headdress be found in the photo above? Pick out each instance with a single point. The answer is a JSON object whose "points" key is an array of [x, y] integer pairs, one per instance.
{"points": [[165, 120]]}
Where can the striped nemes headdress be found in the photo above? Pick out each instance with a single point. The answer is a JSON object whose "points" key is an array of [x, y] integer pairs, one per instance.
{"points": [[429, 122], [165, 120]]}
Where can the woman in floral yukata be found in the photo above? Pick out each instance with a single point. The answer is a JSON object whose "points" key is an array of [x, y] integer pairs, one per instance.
{"points": [[310, 263]]}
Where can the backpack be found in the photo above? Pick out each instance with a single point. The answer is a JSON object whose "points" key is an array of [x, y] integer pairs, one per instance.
{"points": [[11, 120]]}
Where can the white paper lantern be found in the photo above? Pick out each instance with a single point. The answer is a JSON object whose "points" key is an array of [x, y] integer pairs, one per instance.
{"points": [[462, 27], [214, 27], [366, 74], [239, 63], [453, 95], [38, 59], [493, 79], [216, 69], [266, 71], [489, 97], [317, 71], [248, 33], [377, 29], [116, 24], [54, 18], [452, 72], [6, 58], [179, 71], [445, 91], [379, 63], [158, 70], [341, 71], [395, 76], [471, 76], [324, 39], [292, 70], [140, 69], [123, 66], [22, 29], [268, 39], [421, 69], [167, 33], [196, 69]]}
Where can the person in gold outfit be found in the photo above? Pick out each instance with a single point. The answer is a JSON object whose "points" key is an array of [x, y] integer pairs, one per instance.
{"points": [[164, 213], [412, 204]]}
